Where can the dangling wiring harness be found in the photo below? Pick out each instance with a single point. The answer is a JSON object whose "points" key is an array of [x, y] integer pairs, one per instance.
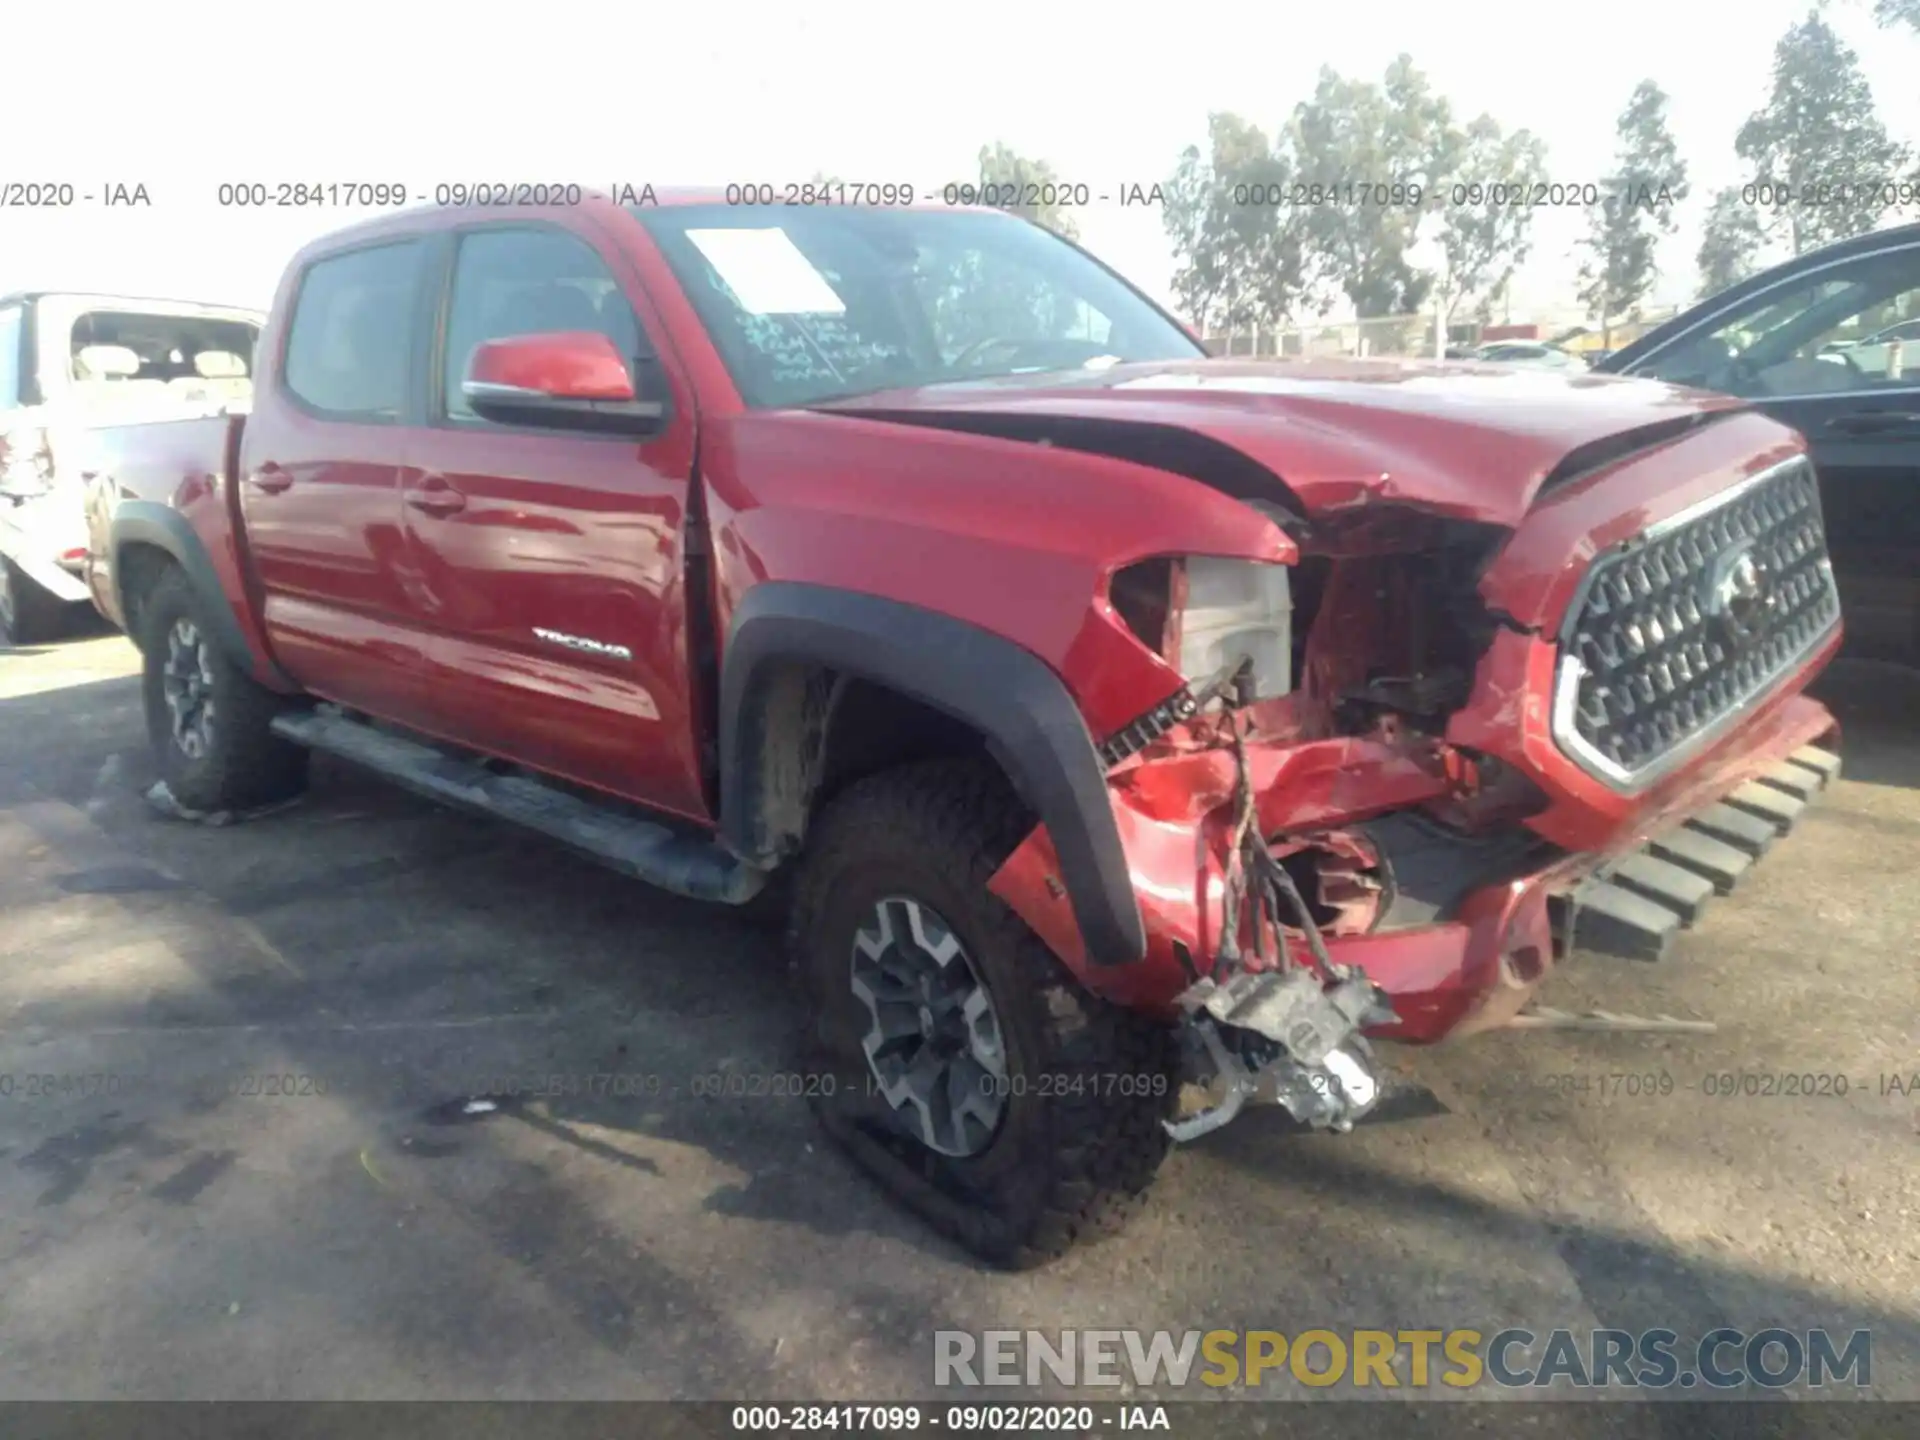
{"points": [[1269, 1027]]}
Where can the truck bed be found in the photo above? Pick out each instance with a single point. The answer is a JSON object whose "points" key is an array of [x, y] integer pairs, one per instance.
{"points": [[179, 464]]}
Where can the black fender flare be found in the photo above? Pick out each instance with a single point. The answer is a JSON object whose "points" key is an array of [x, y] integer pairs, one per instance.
{"points": [[147, 522], [1012, 697]]}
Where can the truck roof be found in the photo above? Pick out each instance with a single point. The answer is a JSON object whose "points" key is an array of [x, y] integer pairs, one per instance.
{"points": [[419, 219], [132, 302]]}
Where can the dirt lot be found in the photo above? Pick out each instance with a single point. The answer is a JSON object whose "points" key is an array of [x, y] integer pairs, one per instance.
{"points": [[163, 1233]]}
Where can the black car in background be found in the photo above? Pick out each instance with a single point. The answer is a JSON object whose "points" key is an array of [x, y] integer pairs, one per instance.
{"points": [[1828, 342]]}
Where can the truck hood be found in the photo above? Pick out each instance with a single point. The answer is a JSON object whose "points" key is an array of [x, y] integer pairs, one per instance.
{"points": [[1465, 441]]}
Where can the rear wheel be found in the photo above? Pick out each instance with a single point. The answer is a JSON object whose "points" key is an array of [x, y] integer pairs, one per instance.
{"points": [[210, 722], [29, 612], [958, 1061]]}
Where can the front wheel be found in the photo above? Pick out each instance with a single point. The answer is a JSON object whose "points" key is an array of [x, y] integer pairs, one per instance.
{"points": [[209, 721], [969, 1072]]}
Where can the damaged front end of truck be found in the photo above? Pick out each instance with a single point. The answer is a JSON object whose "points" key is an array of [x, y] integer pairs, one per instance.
{"points": [[1409, 770]]}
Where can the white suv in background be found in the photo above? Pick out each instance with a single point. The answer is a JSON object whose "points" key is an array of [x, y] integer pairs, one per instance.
{"points": [[71, 362]]}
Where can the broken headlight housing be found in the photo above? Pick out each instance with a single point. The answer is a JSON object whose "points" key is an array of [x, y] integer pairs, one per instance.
{"points": [[26, 463], [1202, 613]]}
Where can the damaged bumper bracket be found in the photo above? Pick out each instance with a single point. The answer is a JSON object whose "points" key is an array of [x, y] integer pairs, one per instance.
{"points": [[1282, 1037], [1289, 1034]]}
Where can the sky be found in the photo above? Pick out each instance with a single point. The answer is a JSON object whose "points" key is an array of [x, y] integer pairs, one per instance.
{"points": [[182, 99]]}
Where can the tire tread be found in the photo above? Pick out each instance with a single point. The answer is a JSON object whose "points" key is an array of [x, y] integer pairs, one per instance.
{"points": [[249, 765], [1107, 1147]]}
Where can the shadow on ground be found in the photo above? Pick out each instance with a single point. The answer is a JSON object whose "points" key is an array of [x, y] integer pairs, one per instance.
{"points": [[623, 1226]]}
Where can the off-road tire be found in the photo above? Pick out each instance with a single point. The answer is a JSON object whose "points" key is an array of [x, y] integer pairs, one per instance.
{"points": [[1081, 1136], [29, 612], [245, 765]]}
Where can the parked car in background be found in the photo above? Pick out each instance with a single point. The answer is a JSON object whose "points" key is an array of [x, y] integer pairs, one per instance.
{"points": [[1829, 342], [71, 362], [1529, 352], [1890, 353]]}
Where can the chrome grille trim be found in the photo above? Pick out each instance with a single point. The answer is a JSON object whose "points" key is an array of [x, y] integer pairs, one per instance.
{"points": [[1664, 648]]}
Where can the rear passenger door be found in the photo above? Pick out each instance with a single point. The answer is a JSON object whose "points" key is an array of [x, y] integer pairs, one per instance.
{"points": [[549, 563], [320, 480]]}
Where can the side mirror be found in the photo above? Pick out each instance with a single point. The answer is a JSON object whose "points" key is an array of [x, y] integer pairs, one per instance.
{"points": [[566, 380]]}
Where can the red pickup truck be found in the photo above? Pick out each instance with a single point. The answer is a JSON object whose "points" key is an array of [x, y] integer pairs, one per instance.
{"points": [[1104, 717]]}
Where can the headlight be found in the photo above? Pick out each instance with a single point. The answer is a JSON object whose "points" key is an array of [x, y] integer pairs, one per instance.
{"points": [[1200, 613], [1237, 609]]}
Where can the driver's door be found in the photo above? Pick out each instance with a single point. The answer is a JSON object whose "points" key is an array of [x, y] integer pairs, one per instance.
{"points": [[547, 568], [1795, 350]]}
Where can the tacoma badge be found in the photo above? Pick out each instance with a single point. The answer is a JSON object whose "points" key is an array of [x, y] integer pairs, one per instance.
{"points": [[581, 643]]}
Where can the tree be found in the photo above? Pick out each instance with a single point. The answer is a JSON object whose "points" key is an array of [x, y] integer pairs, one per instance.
{"points": [[1730, 243], [1898, 12], [1200, 270], [1818, 142], [1240, 257], [1357, 140], [1634, 210], [1483, 245], [976, 298], [1011, 178]]}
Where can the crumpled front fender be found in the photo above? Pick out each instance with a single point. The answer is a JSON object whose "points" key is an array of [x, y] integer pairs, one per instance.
{"points": [[1174, 815]]}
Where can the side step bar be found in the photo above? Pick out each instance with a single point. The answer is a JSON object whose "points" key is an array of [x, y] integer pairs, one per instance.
{"points": [[1634, 906], [685, 865]]}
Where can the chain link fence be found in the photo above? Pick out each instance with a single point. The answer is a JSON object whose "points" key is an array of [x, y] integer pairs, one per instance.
{"points": [[1412, 336]]}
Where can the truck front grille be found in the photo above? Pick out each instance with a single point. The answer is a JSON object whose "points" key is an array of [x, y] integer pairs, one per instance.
{"points": [[1676, 632]]}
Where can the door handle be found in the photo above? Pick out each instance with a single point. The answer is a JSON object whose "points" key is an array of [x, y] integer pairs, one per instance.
{"points": [[270, 479], [434, 496], [1875, 422]]}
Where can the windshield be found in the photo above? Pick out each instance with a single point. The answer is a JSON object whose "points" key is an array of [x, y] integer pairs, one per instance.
{"points": [[815, 304]]}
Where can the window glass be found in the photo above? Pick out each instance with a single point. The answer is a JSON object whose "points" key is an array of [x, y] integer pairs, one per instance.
{"points": [[348, 347], [807, 305], [1908, 330], [116, 353], [10, 338], [530, 281], [1844, 330]]}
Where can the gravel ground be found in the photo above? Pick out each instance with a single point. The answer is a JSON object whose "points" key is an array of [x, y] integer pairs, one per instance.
{"points": [[165, 1234]]}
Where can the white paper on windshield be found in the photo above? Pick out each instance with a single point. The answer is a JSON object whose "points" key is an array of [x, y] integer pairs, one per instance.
{"points": [[767, 272]]}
